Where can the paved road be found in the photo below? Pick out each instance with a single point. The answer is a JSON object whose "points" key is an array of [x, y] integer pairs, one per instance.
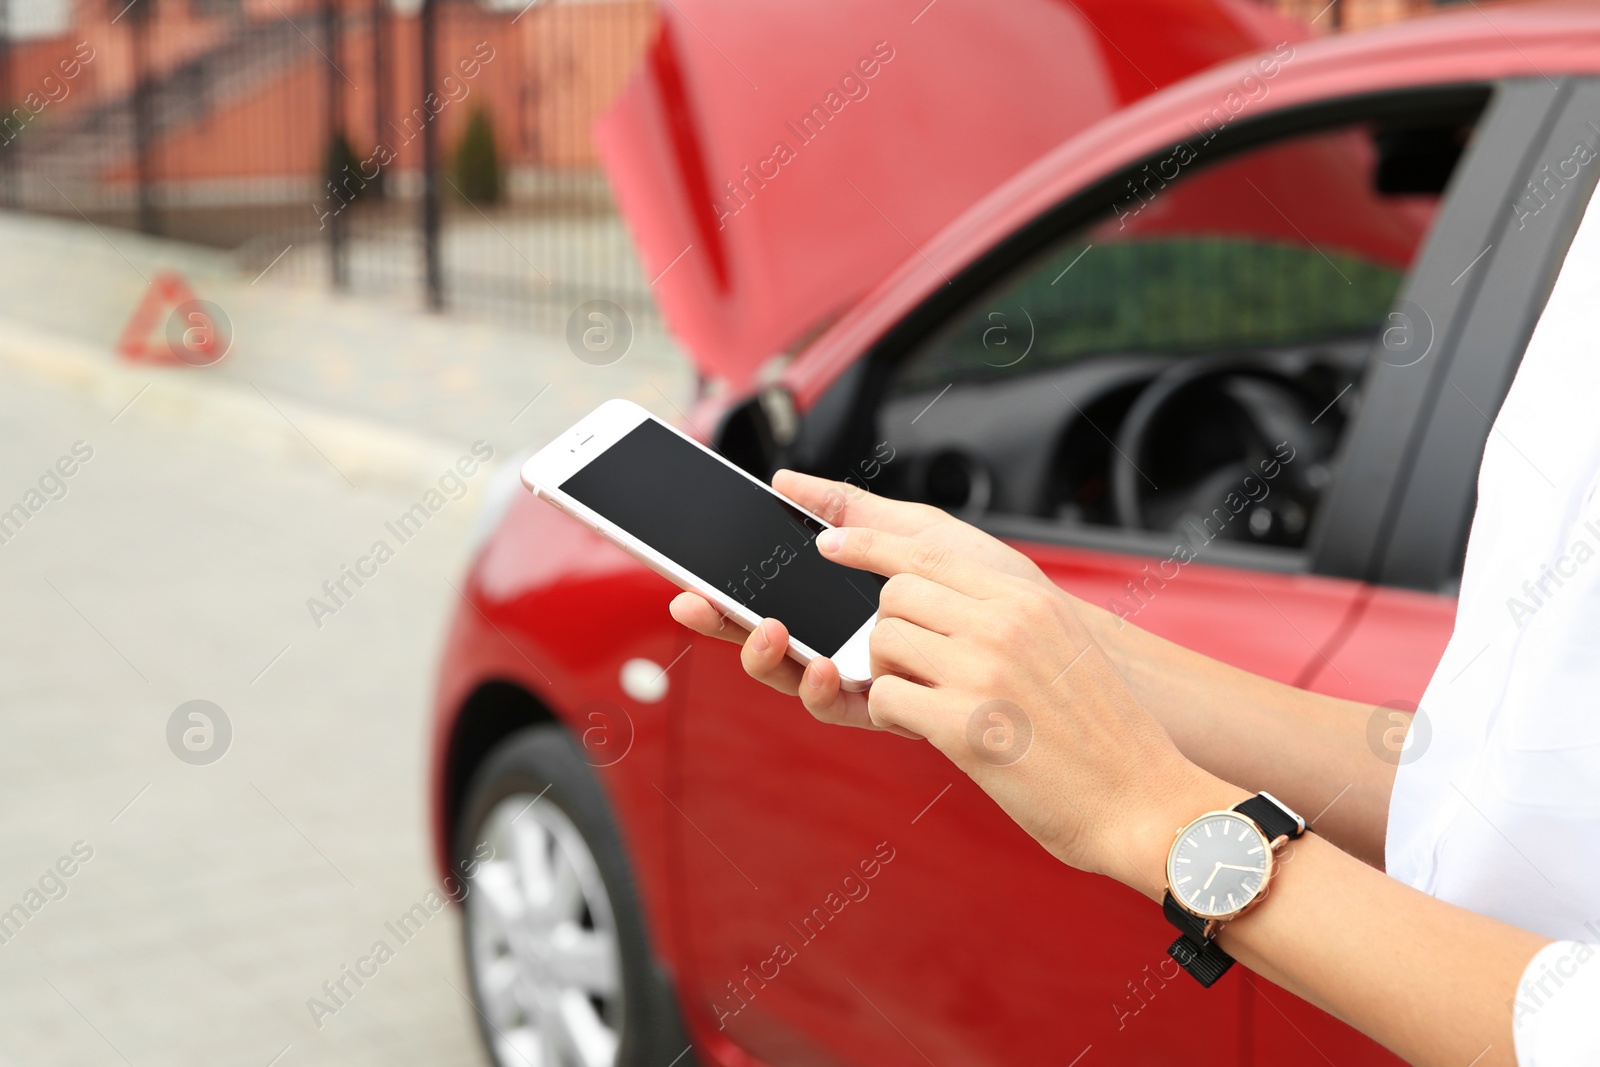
{"points": [[207, 903]]}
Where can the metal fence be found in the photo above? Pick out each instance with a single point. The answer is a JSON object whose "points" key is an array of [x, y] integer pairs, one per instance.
{"points": [[439, 151]]}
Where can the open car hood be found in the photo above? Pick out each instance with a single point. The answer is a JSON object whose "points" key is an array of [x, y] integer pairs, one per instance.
{"points": [[774, 161]]}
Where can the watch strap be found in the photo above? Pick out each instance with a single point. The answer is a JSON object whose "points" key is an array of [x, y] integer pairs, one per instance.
{"points": [[1189, 925], [1204, 959], [1275, 818], [1205, 962]]}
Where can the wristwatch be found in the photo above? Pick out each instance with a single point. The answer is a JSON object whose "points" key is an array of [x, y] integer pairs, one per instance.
{"points": [[1220, 866]]}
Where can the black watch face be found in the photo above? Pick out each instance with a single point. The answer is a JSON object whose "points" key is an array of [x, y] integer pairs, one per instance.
{"points": [[1218, 865]]}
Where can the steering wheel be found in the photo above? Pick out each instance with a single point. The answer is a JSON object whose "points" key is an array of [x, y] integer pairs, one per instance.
{"points": [[1222, 447]]}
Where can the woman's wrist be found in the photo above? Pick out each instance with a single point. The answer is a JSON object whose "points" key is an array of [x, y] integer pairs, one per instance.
{"points": [[1116, 637], [1147, 835]]}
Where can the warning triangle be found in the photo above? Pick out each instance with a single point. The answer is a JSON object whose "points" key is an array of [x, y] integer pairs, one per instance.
{"points": [[166, 291]]}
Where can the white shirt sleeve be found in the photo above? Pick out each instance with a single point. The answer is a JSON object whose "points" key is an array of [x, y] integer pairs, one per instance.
{"points": [[1555, 1017]]}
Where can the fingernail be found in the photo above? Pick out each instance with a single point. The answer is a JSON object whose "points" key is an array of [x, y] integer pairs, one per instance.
{"points": [[759, 640], [830, 541], [813, 676]]}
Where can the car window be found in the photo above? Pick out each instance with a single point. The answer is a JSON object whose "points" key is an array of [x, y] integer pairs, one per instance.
{"points": [[1187, 362]]}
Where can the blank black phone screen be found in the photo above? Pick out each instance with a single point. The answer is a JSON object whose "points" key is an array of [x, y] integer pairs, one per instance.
{"points": [[733, 534]]}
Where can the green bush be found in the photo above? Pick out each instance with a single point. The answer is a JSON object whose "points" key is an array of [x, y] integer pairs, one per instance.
{"points": [[478, 160]]}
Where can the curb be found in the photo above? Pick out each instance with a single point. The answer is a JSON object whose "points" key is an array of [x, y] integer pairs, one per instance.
{"points": [[363, 452]]}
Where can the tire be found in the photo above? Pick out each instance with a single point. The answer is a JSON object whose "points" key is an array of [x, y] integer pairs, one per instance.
{"points": [[555, 943]]}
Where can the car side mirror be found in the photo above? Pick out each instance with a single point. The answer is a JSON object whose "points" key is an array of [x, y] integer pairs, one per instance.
{"points": [[756, 433], [1416, 161]]}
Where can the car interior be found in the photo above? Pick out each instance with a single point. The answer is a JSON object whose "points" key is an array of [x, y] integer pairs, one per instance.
{"points": [[1182, 359]]}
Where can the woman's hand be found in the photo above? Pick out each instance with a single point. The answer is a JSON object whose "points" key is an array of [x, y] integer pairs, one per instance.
{"points": [[1002, 677], [841, 504]]}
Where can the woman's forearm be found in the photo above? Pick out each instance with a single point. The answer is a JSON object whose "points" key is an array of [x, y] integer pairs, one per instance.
{"points": [[1429, 980], [1309, 750]]}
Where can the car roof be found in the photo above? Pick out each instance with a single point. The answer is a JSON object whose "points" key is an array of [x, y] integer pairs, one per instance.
{"points": [[1480, 45]]}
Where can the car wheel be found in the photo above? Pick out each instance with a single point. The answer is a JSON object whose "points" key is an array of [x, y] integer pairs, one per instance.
{"points": [[555, 942]]}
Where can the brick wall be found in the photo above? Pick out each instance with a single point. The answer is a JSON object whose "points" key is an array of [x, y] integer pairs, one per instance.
{"points": [[1358, 14]]}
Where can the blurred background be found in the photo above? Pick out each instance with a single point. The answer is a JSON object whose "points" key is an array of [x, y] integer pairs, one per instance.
{"points": [[388, 214], [253, 128]]}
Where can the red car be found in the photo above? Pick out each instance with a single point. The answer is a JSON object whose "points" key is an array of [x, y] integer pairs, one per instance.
{"points": [[1224, 360]]}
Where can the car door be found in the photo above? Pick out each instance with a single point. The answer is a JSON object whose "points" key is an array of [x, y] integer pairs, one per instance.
{"points": [[852, 899]]}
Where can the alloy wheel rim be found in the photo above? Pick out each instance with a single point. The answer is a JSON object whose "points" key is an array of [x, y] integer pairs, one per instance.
{"points": [[542, 941]]}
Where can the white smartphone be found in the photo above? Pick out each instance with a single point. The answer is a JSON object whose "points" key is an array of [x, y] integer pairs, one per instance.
{"points": [[710, 528]]}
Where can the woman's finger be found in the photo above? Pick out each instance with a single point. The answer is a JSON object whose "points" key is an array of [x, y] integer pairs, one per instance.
{"points": [[903, 706], [928, 604], [765, 657], [890, 554], [822, 696], [843, 504], [904, 648], [695, 612], [827, 701]]}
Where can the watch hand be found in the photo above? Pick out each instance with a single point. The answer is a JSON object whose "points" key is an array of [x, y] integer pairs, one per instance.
{"points": [[1214, 871], [1236, 867]]}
